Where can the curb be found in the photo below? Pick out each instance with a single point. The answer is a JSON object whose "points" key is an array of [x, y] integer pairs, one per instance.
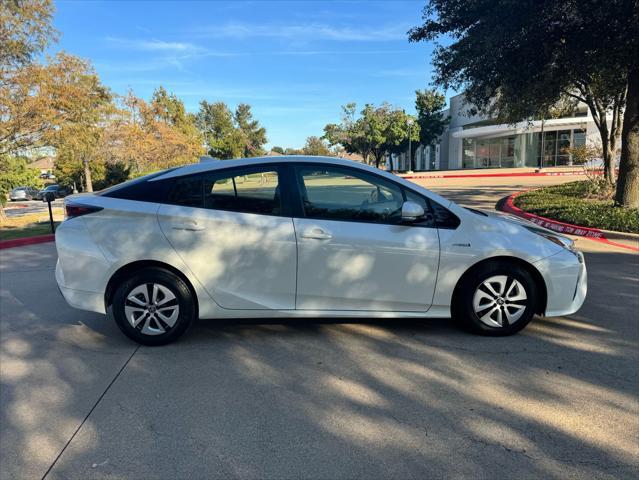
{"points": [[21, 242], [496, 175], [561, 227]]}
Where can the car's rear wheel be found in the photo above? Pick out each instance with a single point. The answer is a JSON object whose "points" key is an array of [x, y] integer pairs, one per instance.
{"points": [[495, 299], [153, 306]]}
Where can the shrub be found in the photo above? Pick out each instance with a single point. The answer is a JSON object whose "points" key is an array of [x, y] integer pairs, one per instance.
{"points": [[578, 204]]}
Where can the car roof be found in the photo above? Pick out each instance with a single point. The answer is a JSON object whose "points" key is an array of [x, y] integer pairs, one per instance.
{"points": [[210, 166], [207, 166]]}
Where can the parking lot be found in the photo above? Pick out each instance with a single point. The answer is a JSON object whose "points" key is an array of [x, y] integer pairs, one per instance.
{"points": [[321, 399]]}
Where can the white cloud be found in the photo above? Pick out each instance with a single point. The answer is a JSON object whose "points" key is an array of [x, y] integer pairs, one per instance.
{"points": [[151, 45], [303, 32]]}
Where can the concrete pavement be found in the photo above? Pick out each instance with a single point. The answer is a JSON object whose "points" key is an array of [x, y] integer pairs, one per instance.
{"points": [[319, 399]]}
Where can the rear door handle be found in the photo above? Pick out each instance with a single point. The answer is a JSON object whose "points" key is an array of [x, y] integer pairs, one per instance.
{"points": [[192, 227], [317, 234]]}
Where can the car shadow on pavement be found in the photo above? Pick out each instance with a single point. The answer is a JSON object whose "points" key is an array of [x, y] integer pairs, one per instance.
{"points": [[318, 398]]}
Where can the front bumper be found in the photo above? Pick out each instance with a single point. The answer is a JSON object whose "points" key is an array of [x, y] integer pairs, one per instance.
{"points": [[566, 280]]}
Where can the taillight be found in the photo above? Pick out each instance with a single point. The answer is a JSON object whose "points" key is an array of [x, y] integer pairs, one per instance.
{"points": [[72, 210]]}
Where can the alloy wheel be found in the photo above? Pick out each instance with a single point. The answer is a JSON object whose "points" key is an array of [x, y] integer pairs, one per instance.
{"points": [[500, 301], [151, 308]]}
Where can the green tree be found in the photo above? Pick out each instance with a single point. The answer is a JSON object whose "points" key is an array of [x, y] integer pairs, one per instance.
{"points": [[400, 126], [15, 172], [253, 135], [293, 151], [80, 134], [516, 59], [376, 132], [349, 133], [278, 150], [316, 146], [432, 122], [216, 123], [25, 30]]}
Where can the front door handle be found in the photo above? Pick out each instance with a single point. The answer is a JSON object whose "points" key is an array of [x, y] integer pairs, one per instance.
{"points": [[192, 227], [317, 234]]}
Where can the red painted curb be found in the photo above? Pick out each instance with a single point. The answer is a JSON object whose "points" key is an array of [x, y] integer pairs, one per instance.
{"points": [[557, 226], [21, 242], [486, 175]]}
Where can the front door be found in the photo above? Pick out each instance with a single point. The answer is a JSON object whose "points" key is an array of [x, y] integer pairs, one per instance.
{"points": [[230, 230], [353, 251]]}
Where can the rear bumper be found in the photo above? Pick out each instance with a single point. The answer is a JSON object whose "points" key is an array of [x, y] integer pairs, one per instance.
{"points": [[566, 280], [91, 301]]}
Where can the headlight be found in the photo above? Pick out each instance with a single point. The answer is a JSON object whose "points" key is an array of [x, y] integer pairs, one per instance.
{"points": [[560, 240]]}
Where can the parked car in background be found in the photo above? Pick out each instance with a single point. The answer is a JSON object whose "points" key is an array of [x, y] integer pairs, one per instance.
{"points": [[301, 236], [23, 193], [47, 176], [56, 190]]}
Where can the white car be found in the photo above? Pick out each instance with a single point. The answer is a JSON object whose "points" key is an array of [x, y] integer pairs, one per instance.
{"points": [[304, 237]]}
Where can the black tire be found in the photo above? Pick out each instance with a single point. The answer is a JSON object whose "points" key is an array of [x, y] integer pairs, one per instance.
{"points": [[463, 306], [185, 314]]}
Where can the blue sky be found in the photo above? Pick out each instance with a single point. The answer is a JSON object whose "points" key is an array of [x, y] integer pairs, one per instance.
{"points": [[294, 62]]}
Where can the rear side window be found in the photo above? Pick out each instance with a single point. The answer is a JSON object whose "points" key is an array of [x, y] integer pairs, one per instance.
{"points": [[254, 190], [247, 190]]}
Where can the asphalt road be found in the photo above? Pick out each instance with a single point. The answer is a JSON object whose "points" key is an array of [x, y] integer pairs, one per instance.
{"points": [[317, 399], [18, 209]]}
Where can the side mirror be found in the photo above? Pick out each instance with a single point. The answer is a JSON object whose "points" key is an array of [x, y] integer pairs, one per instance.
{"points": [[412, 212]]}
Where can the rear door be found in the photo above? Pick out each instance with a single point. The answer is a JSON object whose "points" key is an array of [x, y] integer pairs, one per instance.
{"points": [[353, 251], [232, 230]]}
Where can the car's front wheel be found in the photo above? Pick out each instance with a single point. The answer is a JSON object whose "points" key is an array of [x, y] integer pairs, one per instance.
{"points": [[153, 306], [496, 299]]}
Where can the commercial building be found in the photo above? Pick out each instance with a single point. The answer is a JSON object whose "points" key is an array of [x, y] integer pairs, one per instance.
{"points": [[482, 142]]}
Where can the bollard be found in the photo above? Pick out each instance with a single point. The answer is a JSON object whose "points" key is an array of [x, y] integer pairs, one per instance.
{"points": [[49, 197]]}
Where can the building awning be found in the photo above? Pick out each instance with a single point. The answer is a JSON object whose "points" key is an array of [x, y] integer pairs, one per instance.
{"points": [[505, 130]]}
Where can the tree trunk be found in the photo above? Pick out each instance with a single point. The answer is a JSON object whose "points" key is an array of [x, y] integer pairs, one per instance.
{"points": [[607, 152], [3, 215], [608, 162], [87, 175], [627, 194]]}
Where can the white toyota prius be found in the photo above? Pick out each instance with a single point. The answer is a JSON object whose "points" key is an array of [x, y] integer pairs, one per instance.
{"points": [[304, 237]]}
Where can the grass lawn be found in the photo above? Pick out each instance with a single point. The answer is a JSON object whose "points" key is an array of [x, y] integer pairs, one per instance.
{"points": [[29, 225], [579, 203]]}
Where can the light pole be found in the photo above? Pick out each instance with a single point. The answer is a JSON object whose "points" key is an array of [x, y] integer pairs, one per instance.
{"points": [[409, 122]]}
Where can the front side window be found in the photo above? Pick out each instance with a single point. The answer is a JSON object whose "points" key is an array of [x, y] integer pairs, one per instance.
{"points": [[335, 193]]}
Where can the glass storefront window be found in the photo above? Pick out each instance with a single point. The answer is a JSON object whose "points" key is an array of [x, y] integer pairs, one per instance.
{"points": [[506, 152], [579, 138], [468, 157], [482, 151], [550, 148]]}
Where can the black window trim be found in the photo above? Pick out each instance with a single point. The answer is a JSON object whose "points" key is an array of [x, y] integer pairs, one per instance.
{"points": [[298, 207]]}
